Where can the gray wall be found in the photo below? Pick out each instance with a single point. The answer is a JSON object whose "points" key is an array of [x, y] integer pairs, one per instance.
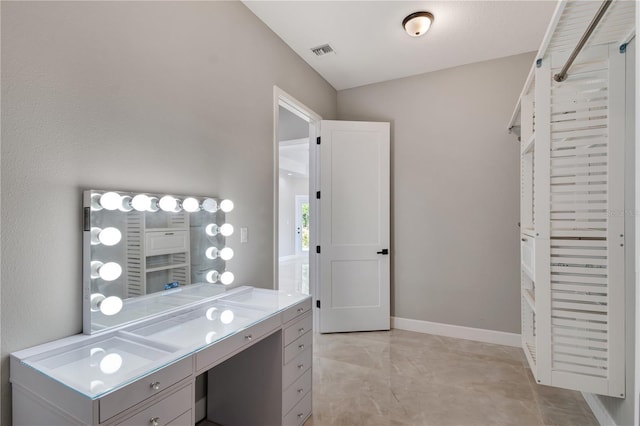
{"points": [[290, 126], [149, 96], [455, 186]]}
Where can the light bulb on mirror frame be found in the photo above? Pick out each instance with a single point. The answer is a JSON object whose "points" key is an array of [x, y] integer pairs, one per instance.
{"points": [[190, 205], [212, 277], [107, 271], [95, 202], [96, 299], [125, 204], [211, 253], [108, 236], [107, 305], [95, 231], [211, 229], [226, 229], [111, 305], [226, 205], [141, 202], [111, 200], [226, 253], [169, 204], [226, 278], [210, 205], [153, 204], [110, 271]]}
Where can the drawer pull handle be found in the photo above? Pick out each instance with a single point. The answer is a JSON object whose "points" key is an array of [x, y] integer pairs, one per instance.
{"points": [[155, 386], [248, 337], [301, 330], [300, 309], [155, 421], [301, 347], [300, 390], [300, 366], [300, 415]]}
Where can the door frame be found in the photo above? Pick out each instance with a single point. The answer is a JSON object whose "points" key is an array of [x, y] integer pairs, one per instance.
{"points": [[285, 100]]}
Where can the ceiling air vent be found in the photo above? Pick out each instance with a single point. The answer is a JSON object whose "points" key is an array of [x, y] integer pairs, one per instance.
{"points": [[322, 50]]}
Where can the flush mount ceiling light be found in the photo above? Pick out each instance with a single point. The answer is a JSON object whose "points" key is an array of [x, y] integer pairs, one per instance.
{"points": [[417, 23]]}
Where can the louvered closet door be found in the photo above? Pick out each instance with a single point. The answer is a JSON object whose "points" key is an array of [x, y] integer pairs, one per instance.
{"points": [[580, 256], [135, 254]]}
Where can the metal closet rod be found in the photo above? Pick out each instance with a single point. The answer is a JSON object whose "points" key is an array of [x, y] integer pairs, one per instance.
{"points": [[562, 75]]}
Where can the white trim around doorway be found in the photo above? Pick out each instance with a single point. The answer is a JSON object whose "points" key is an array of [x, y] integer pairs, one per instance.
{"points": [[285, 100]]}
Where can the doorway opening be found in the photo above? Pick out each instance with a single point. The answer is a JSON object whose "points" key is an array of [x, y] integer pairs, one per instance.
{"points": [[302, 224], [295, 227]]}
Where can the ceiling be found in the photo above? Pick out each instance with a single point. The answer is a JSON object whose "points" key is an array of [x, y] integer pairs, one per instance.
{"points": [[294, 158], [371, 45]]}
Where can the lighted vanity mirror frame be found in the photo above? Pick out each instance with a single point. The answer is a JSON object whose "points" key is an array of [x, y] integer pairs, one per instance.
{"points": [[146, 254]]}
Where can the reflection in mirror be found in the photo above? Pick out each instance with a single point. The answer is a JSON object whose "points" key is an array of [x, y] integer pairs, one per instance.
{"points": [[149, 253]]}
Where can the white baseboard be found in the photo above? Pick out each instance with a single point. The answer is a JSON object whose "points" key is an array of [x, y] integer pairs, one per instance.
{"points": [[599, 411], [459, 332]]}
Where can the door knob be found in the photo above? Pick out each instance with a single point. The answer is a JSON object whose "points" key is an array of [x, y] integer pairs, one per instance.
{"points": [[384, 251]]}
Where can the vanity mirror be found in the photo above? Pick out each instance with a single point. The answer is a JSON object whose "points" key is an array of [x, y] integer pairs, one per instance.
{"points": [[145, 254]]}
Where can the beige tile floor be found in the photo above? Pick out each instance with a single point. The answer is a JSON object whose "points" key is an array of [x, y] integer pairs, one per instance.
{"points": [[405, 378]]}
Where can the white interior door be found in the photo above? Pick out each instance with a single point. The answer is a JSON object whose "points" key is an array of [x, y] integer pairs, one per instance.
{"points": [[354, 226]]}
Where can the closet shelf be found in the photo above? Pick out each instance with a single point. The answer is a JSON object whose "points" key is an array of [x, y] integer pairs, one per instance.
{"points": [[165, 229], [165, 266], [529, 144]]}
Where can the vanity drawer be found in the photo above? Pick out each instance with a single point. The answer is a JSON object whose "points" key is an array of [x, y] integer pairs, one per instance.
{"points": [[299, 413], [297, 346], [296, 391], [166, 242], [175, 409], [206, 358], [294, 369], [183, 420], [296, 330], [138, 391], [296, 310]]}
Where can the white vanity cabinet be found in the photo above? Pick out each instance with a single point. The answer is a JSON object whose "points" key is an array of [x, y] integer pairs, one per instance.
{"points": [[64, 382], [166, 410], [254, 344], [296, 374]]}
